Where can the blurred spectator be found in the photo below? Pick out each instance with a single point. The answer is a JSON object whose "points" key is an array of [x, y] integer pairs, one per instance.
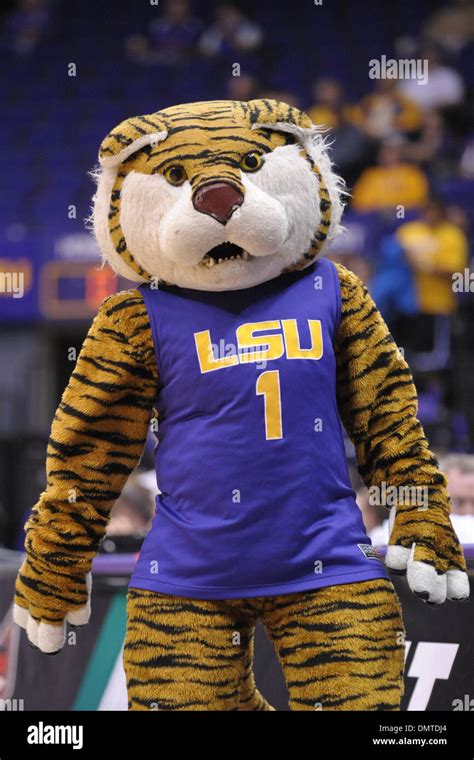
{"points": [[444, 87], [386, 111], [390, 184], [284, 95], [458, 216], [132, 512], [452, 27], [350, 148], [328, 97], [435, 249], [436, 150], [459, 469], [137, 48], [26, 25], [4, 525], [466, 163], [464, 364], [231, 34], [348, 249], [131, 516], [243, 87], [374, 517], [171, 39], [393, 286]]}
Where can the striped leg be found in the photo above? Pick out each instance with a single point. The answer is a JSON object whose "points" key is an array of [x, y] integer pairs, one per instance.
{"points": [[341, 647], [188, 654]]}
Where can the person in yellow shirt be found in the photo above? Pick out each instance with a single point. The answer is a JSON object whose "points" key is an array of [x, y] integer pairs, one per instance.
{"points": [[391, 184], [328, 103], [385, 111], [435, 249]]}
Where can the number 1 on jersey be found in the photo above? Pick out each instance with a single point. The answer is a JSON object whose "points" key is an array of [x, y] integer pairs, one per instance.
{"points": [[268, 386]]}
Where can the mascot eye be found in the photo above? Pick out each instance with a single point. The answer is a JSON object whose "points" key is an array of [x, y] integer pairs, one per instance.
{"points": [[175, 175], [251, 162]]}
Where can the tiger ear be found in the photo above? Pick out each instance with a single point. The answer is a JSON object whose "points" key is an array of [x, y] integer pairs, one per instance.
{"points": [[281, 117], [128, 137], [266, 111]]}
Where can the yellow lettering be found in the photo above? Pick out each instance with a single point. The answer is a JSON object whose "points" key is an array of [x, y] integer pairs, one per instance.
{"points": [[259, 348], [255, 348], [292, 340], [268, 386], [205, 352]]}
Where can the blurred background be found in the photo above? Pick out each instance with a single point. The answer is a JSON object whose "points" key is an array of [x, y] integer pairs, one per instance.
{"points": [[71, 70]]}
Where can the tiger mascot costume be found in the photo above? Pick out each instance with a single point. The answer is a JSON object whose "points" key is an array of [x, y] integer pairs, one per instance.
{"points": [[249, 349]]}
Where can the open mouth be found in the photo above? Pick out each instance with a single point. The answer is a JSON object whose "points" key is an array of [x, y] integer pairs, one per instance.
{"points": [[224, 252]]}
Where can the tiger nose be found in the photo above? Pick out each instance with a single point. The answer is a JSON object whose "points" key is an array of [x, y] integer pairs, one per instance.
{"points": [[218, 199]]}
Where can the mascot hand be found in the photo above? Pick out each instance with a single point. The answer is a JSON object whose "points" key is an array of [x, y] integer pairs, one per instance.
{"points": [[424, 546], [45, 600]]}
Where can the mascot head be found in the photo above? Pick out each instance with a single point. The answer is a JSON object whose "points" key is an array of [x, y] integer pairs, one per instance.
{"points": [[220, 195]]}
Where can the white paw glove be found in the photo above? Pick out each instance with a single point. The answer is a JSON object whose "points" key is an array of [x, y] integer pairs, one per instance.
{"points": [[46, 600], [424, 546]]}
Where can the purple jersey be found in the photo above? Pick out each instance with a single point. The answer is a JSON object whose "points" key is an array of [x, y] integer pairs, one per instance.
{"points": [[255, 495]]}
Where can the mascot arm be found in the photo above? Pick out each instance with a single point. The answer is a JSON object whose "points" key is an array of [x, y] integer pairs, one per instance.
{"points": [[96, 440], [378, 406]]}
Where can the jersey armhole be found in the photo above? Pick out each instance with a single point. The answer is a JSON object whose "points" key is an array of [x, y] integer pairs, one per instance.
{"points": [[337, 290], [146, 295]]}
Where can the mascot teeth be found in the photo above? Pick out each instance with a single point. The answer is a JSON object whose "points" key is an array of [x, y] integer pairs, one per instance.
{"points": [[209, 261]]}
